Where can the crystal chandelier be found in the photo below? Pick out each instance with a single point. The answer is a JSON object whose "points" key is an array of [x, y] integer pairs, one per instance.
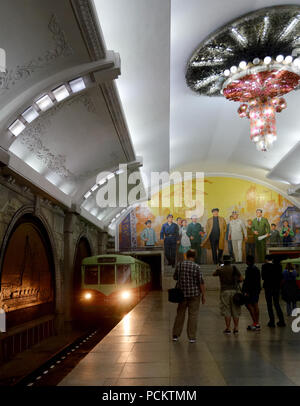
{"points": [[253, 60], [259, 87]]}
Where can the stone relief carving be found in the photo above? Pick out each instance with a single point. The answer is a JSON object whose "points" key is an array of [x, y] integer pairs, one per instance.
{"points": [[31, 138], [22, 72]]}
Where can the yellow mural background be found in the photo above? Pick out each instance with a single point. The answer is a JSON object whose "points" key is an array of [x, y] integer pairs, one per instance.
{"points": [[227, 194]]}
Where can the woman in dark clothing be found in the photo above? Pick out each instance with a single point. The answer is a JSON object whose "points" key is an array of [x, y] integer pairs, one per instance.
{"points": [[290, 288], [251, 289]]}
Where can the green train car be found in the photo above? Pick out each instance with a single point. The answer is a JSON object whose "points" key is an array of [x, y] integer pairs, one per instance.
{"points": [[113, 282]]}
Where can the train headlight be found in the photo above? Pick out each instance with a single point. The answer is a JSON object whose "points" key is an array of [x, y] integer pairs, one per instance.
{"points": [[88, 296], [125, 295]]}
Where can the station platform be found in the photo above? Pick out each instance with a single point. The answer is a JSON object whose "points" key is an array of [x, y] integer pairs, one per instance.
{"points": [[139, 351]]}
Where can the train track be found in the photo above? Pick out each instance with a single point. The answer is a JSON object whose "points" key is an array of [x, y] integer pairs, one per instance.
{"points": [[57, 367]]}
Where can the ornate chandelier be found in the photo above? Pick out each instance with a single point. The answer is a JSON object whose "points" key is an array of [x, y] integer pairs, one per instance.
{"points": [[259, 87], [252, 60]]}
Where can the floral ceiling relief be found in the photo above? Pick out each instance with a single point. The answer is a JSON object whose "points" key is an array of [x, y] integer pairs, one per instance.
{"points": [[22, 72], [32, 137]]}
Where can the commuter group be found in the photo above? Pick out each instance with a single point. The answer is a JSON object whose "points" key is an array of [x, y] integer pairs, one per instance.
{"points": [[236, 291]]}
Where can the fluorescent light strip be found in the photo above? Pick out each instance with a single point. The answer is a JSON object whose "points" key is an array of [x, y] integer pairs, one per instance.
{"points": [[77, 85], [87, 195], [30, 114], [16, 127], [44, 102], [119, 171], [110, 176], [61, 93], [95, 187]]}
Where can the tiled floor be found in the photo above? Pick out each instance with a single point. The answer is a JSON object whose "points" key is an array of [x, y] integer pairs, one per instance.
{"points": [[139, 351]]}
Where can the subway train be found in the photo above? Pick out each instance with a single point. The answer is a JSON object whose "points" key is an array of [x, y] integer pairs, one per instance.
{"points": [[112, 284]]}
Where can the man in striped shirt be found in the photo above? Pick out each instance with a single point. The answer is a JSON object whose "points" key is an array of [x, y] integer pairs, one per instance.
{"points": [[190, 281]]}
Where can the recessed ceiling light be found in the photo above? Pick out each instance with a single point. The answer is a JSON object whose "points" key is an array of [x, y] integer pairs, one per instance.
{"points": [[77, 85], [226, 72], [30, 114], [267, 60], [243, 65], [279, 58], [61, 93], [16, 127], [94, 188], [87, 195], [44, 102]]}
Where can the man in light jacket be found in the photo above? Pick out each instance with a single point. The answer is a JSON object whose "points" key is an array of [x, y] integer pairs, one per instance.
{"points": [[237, 230]]}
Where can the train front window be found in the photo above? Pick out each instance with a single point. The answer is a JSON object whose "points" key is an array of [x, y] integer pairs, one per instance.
{"points": [[107, 274], [91, 275], [123, 274]]}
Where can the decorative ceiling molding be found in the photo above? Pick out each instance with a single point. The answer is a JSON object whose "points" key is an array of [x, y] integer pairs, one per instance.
{"points": [[31, 138], [91, 31], [113, 103], [23, 72]]}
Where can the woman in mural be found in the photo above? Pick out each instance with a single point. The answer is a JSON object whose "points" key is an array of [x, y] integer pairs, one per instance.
{"points": [[148, 235], [185, 243], [215, 238], [287, 233]]}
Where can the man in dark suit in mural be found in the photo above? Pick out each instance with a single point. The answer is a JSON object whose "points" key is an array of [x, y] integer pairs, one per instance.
{"points": [[170, 234]]}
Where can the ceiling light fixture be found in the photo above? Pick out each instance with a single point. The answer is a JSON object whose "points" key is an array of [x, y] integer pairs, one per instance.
{"points": [[77, 85], [30, 114], [61, 93], [16, 127], [44, 102]]}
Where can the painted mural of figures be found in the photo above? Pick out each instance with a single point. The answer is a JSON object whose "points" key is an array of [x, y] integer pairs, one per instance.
{"points": [[229, 242], [195, 232], [237, 231], [261, 228], [287, 233], [179, 255], [170, 234], [215, 238], [274, 239], [148, 235], [185, 242], [250, 244]]}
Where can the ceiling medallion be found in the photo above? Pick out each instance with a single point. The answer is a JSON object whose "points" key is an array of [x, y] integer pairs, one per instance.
{"points": [[252, 60]]}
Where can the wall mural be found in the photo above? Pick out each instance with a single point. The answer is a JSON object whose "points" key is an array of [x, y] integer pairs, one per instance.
{"points": [[228, 194]]}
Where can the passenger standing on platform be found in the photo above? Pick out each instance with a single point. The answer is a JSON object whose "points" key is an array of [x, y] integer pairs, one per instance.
{"points": [[229, 242], [271, 274], [274, 239], [250, 244], [260, 227], [148, 235], [195, 232], [179, 256], [170, 234], [215, 235], [190, 281], [287, 233], [251, 289], [290, 288], [229, 276], [185, 243], [237, 231]]}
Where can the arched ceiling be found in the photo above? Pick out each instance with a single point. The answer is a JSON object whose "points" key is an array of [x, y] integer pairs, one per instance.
{"points": [[132, 56]]}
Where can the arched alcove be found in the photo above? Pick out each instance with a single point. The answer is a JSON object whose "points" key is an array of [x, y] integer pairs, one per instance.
{"points": [[27, 272]]}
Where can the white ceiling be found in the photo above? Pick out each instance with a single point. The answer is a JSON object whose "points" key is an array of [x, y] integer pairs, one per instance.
{"points": [[205, 134]]}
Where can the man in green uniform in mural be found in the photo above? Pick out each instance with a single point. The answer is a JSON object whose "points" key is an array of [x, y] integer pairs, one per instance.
{"points": [[260, 227], [195, 231]]}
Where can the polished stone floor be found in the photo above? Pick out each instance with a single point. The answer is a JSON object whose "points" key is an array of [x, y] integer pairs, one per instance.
{"points": [[139, 351]]}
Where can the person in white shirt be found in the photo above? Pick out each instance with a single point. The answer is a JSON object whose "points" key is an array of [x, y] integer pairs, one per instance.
{"points": [[237, 231]]}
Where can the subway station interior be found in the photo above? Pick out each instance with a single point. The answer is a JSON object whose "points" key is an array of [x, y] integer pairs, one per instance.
{"points": [[138, 139]]}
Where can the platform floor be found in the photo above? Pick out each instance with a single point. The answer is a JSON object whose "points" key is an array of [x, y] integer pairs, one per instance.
{"points": [[139, 351]]}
